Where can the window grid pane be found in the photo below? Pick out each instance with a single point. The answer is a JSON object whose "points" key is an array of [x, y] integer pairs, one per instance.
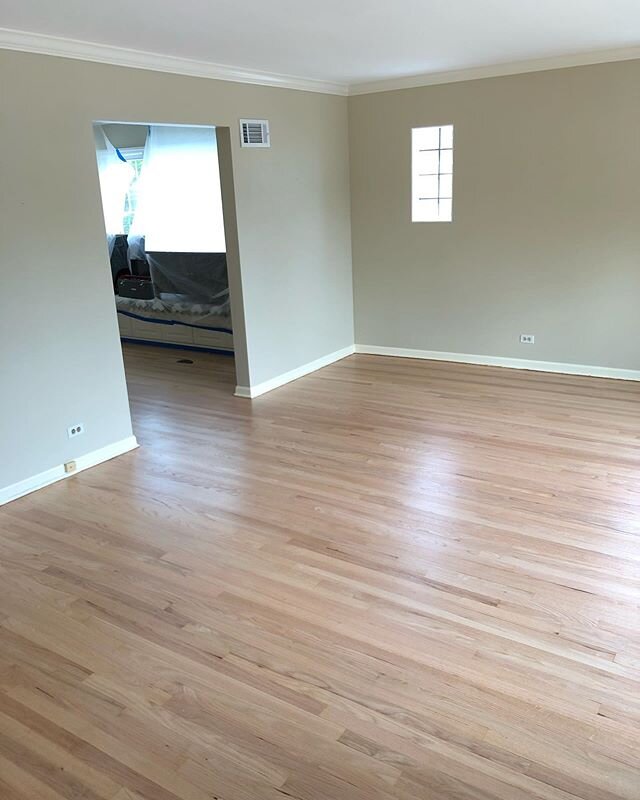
{"points": [[432, 180]]}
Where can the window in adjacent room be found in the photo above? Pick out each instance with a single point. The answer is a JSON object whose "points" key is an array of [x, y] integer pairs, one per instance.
{"points": [[432, 174], [133, 156]]}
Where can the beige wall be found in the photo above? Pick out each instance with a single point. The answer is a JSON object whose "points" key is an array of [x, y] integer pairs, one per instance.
{"points": [[60, 360], [546, 231]]}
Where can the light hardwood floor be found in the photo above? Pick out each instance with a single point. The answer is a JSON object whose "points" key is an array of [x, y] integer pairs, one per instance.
{"points": [[390, 579]]}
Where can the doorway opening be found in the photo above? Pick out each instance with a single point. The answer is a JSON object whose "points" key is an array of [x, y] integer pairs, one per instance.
{"points": [[162, 203], [162, 199]]}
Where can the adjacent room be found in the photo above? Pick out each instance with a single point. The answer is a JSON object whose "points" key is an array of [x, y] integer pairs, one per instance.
{"points": [[162, 203], [322, 328], [164, 223]]}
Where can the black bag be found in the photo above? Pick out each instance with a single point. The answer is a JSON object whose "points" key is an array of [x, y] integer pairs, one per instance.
{"points": [[138, 288]]}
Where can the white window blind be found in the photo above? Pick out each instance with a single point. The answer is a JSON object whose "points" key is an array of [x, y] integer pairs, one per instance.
{"points": [[432, 174]]}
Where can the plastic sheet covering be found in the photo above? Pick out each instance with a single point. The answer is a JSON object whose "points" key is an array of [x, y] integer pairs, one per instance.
{"points": [[136, 247], [174, 311], [115, 177], [179, 205], [196, 277], [190, 289]]}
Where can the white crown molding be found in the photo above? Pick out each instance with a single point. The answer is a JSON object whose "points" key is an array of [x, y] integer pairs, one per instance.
{"points": [[138, 59], [495, 70], [43, 44]]}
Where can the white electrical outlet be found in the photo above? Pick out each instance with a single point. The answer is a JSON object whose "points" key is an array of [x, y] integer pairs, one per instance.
{"points": [[75, 430], [527, 338]]}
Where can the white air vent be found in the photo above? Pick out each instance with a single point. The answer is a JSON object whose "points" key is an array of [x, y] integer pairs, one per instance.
{"points": [[254, 133]]}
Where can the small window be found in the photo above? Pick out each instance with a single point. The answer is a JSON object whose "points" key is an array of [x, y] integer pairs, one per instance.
{"points": [[432, 174], [133, 156]]}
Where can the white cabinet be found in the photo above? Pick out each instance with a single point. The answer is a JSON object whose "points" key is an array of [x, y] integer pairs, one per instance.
{"points": [[173, 334]]}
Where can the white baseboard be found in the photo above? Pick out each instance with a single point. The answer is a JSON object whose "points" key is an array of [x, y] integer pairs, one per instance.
{"points": [[294, 374], [498, 361], [54, 474]]}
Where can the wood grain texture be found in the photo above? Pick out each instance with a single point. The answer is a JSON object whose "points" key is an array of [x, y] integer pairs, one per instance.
{"points": [[389, 579]]}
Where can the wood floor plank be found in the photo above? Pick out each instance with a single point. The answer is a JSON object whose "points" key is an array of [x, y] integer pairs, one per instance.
{"points": [[388, 580]]}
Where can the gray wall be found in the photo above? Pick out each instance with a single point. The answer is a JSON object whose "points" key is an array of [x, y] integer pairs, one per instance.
{"points": [[60, 360], [126, 135], [546, 231]]}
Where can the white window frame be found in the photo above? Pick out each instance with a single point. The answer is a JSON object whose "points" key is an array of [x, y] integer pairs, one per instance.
{"points": [[438, 206]]}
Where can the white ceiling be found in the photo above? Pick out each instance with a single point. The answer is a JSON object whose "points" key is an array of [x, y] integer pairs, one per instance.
{"points": [[339, 41]]}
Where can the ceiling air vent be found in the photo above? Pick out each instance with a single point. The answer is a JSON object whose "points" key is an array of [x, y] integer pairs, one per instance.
{"points": [[254, 133]]}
